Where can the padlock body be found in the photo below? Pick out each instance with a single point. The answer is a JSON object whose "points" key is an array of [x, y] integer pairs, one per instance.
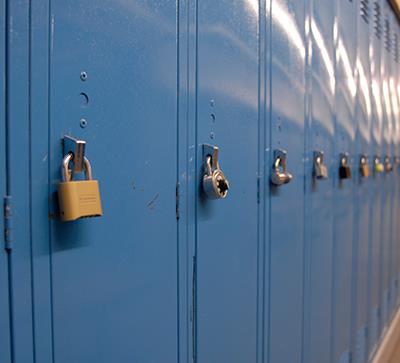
{"points": [[345, 172], [379, 168], [212, 186], [364, 169], [79, 199], [321, 171]]}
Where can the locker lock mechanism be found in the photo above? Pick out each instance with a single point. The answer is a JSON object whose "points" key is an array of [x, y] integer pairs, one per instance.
{"points": [[215, 184], [388, 165], [280, 175], [77, 198], [378, 166], [320, 169], [344, 168], [364, 167]]}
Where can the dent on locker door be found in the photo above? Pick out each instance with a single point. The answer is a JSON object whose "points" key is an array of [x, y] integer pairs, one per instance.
{"points": [[227, 102], [114, 281]]}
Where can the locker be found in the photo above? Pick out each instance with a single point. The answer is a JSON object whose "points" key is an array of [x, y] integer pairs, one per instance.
{"points": [[387, 179], [376, 179], [361, 238], [286, 249], [345, 44], [319, 192], [112, 283], [396, 232], [5, 328], [227, 229], [393, 153]]}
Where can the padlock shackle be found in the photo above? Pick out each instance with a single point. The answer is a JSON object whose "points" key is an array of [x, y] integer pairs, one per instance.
{"points": [[66, 174]]}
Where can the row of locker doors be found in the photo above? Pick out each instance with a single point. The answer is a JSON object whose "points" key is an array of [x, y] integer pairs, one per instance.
{"points": [[265, 275]]}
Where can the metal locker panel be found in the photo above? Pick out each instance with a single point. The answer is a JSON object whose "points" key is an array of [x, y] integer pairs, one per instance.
{"points": [[114, 278], [345, 45], [18, 173], [286, 250], [5, 328], [376, 178], [396, 225], [39, 158], [393, 153], [227, 229], [387, 179], [319, 192], [363, 184]]}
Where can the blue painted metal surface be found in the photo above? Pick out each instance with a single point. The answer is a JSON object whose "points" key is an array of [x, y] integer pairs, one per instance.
{"points": [[319, 193], [387, 182], [5, 328], [113, 280], [361, 237], [288, 56], [346, 89], [305, 272], [375, 193], [227, 116]]}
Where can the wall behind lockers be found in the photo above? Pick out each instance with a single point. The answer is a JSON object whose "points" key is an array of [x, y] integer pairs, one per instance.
{"points": [[298, 99]]}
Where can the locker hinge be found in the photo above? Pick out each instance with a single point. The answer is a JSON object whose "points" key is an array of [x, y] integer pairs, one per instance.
{"points": [[177, 194], [193, 312], [8, 219], [258, 189]]}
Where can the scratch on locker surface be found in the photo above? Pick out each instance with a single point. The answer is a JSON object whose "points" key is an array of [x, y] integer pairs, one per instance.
{"points": [[45, 158], [151, 205]]}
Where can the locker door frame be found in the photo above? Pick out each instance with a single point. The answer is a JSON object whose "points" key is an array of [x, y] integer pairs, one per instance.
{"points": [[361, 242], [376, 180], [18, 178], [5, 311], [318, 256], [345, 123], [386, 209]]}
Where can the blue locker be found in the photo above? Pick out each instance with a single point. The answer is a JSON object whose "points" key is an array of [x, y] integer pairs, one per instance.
{"points": [[112, 281], [361, 240], [387, 179], [346, 89], [376, 179], [18, 179], [393, 153], [286, 250], [319, 192], [5, 328], [227, 239]]}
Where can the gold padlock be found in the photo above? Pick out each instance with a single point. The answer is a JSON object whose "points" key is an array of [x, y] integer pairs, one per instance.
{"points": [[364, 167], [78, 198]]}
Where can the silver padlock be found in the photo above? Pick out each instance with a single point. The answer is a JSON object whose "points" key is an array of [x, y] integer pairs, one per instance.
{"points": [[320, 169], [215, 184], [279, 174]]}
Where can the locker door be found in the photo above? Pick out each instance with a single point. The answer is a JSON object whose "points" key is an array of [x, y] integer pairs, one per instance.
{"points": [[113, 83], [396, 231], [376, 179], [393, 153], [226, 235], [287, 201], [319, 192], [5, 351], [387, 179], [363, 184], [343, 206]]}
